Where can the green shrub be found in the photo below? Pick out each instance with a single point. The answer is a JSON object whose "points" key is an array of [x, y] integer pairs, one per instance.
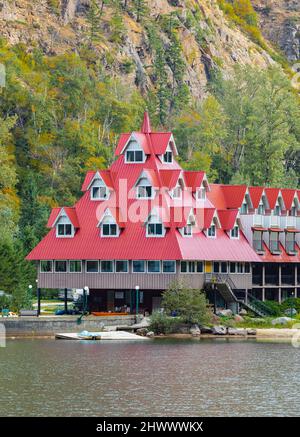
{"points": [[291, 302], [189, 304], [273, 306], [160, 323]]}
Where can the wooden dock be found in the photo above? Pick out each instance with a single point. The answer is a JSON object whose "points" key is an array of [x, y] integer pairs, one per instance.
{"points": [[102, 335]]}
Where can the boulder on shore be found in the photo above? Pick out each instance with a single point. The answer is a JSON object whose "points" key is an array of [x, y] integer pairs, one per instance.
{"points": [[150, 334], [224, 313], [236, 331], [206, 330], [281, 320], [142, 331], [243, 312], [251, 331], [238, 318], [219, 330], [195, 330]]}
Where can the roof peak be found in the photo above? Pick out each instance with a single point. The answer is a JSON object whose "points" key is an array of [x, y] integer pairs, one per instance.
{"points": [[146, 126]]}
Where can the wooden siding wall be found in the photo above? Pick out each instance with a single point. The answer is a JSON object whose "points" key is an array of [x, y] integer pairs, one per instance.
{"points": [[128, 281]]}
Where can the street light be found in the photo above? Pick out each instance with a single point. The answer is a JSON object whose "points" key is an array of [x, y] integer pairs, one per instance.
{"points": [[292, 294], [86, 292], [137, 289]]}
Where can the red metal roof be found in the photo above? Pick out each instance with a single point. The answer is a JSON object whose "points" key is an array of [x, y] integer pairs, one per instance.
{"points": [[255, 195], [169, 178], [146, 126], [234, 195], [227, 218], [272, 196], [131, 214], [194, 179], [70, 212], [288, 196]]}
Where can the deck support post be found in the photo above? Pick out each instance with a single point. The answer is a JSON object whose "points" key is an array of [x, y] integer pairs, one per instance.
{"points": [[66, 301], [137, 301], [38, 301]]}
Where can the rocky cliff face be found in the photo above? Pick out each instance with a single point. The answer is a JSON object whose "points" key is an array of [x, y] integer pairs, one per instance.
{"points": [[280, 23], [57, 26]]}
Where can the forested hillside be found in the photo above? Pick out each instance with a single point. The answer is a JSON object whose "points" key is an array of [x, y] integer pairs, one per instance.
{"points": [[203, 69]]}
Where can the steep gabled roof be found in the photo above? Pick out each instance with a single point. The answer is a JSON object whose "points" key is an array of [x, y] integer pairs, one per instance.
{"points": [[255, 194], [227, 218], [272, 196], [234, 195], [70, 212], [288, 196], [104, 174], [193, 179], [169, 178]]}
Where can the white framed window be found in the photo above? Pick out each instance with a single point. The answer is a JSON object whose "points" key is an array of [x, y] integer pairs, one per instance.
{"points": [[258, 241], [201, 193], [232, 267], [188, 230], [153, 266], [154, 230], [188, 267], [107, 266], [138, 266], [46, 266], [244, 208], [144, 192], [223, 267], [133, 156], [176, 193], [199, 267], [247, 268], [64, 230], [109, 230], [99, 193], [168, 157], [75, 266], [293, 211], [290, 242], [234, 232], [216, 267], [277, 210], [121, 266], [261, 209], [60, 266], [211, 232], [169, 266], [92, 266]]}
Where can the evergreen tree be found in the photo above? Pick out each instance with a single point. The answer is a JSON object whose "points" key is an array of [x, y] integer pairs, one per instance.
{"points": [[140, 9], [94, 19]]}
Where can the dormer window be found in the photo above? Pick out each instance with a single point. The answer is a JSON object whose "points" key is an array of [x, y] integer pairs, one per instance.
{"points": [[211, 232], [176, 192], [108, 225], [64, 227], [201, 193], [235, 232], [155, 227], [64, 230], [99, 190], [261, 209], [168, 157], [134, 156], [277, 210], [99, 193], [274, 242], [293, 211], [244, 208], [188, 230], [144, 189], [109, 230]]}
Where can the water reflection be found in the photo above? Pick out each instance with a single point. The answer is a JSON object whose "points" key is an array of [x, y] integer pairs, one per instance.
{"points": [[163, 377]]}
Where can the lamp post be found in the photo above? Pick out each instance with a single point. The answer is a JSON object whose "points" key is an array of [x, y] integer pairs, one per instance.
{"points": [[292, 307], [137, 289], [86, 292], [38, 295]]}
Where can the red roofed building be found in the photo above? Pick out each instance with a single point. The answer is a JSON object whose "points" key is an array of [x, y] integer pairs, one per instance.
{"points": [[145, 222]]}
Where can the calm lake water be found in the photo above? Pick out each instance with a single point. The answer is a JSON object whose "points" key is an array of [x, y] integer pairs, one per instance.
{"points": [[162, 377]]}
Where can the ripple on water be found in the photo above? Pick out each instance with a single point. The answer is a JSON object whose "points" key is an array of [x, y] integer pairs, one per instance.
{"points": [[163, 377]]}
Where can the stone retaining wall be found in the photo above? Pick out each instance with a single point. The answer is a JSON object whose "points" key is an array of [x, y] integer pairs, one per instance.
{"points": [[46, 326]]}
